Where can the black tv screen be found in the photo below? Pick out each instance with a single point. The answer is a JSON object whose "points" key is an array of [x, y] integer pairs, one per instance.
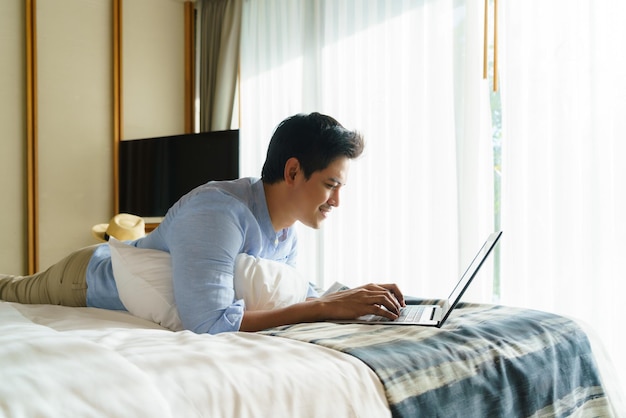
{"points": [[155, 172]]}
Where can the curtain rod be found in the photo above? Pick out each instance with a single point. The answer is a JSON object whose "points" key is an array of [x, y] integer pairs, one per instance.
{"points": [[486, 42]]}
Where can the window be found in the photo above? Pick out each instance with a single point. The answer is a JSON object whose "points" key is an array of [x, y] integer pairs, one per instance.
{"points": [[420, 201]]}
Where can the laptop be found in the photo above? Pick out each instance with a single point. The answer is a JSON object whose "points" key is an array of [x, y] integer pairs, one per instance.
{"points": [[436, 315]]}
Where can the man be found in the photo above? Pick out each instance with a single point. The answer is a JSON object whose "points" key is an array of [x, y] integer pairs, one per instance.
{"points": [[307, 164]]}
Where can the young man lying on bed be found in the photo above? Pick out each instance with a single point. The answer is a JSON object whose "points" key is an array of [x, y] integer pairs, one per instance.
{"points": [[306, 166]]}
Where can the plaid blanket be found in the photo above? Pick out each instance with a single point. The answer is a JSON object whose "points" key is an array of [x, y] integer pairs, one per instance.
{"points": [[486, 361]]}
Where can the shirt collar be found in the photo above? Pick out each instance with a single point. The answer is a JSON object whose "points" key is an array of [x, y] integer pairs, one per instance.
{"points": [[262, 214]]}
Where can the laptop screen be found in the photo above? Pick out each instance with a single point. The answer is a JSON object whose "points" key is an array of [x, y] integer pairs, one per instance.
{"points": [[471, 271]]}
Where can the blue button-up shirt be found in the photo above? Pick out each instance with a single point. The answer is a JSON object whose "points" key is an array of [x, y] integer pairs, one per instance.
{"points": [[203, 232]]}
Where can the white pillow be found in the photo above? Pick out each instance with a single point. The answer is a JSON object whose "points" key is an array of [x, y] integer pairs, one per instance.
{"points": [[267, 284], [144, 282]]}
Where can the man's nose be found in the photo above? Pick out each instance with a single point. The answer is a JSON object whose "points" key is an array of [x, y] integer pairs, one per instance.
{"points": [[334, 199]]}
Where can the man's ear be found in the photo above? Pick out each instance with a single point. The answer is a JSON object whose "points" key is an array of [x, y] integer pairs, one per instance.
{"points": [[292, 167]]}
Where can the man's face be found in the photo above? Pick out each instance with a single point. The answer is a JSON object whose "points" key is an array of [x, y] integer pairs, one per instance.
{"points": [[320, 193]]}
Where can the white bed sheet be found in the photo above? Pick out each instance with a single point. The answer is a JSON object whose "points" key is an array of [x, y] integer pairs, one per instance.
{"points": [[58, 362]]}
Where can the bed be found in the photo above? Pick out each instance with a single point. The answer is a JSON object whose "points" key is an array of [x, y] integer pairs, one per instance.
{"points": [[488, 360]]}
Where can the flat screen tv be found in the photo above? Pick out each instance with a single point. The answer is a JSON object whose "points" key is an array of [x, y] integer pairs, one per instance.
{"points": [[156, 172]]}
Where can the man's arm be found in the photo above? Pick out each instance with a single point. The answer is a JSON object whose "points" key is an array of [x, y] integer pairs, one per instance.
{"points": [[384, 300], [204, 242]]}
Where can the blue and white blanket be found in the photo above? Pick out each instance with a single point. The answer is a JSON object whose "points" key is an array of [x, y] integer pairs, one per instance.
{"points": [[486, 361]]}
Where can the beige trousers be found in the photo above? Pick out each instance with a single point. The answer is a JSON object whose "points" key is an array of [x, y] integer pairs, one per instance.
{"points": [[64, 283]]}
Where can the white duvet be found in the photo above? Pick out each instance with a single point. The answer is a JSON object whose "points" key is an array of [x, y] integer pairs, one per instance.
{"points": [[86, 362]]}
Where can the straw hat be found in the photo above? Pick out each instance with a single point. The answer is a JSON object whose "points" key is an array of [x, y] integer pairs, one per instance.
{"points": [[123, 227]]}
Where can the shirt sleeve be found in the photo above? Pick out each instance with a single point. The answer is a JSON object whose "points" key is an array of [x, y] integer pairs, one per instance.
{"points": [[203, 245], [311, 292]]}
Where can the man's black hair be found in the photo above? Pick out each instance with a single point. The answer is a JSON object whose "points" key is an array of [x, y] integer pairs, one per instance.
{"points": [[315, 140]]}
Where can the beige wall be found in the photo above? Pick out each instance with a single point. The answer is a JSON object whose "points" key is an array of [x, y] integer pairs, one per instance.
{"points": [[75, 120], [75, 132], [153, 69], [13, 252]]}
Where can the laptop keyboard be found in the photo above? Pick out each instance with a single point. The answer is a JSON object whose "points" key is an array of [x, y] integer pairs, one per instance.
{"points": [[410, 313]]}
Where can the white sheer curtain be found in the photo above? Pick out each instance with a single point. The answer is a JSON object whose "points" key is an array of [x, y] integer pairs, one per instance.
{"points": [[406, 74], [564, 178]]}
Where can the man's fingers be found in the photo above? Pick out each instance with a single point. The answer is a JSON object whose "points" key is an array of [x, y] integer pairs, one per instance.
{"points": [[384, 299], [381, 311], [389, 287]]}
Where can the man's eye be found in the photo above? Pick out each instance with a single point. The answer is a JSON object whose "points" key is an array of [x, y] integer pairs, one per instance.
{"points": [[331, 186]]}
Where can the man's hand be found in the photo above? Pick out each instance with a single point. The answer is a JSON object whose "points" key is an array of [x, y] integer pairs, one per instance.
{"points": [[378, 299]]}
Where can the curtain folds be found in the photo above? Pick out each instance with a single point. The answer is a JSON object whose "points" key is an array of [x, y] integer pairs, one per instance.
{"points": [[220, 32], [564, 182], [407, 74], [416, 207]]}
